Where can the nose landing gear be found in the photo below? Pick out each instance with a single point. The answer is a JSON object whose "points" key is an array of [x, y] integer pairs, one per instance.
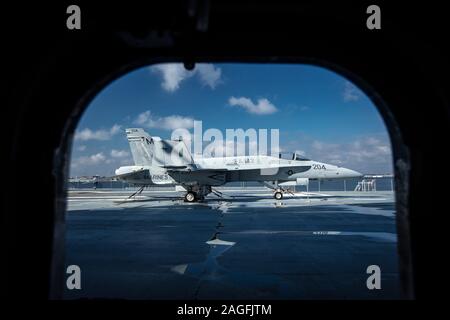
{"points": [[190, 196]]}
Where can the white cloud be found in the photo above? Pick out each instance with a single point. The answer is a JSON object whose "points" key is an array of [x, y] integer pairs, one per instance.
{"points": [[301, 153], [371, 148], [369, 154], [363, 150], [81, 147], [171, 122], [103, 164], [209, 75], [175, 122], [174, 73], [114, 129], [143, 118], [94, 159], [322, 146], [119, 153], [350, 93], [264, 106], [101, 134]]}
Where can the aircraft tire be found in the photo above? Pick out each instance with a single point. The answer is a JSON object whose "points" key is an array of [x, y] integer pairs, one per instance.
{"points": [[278, 195], [190, 197]]}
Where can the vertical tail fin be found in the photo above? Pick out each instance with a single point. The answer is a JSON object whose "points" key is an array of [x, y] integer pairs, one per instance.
{"points": [[154, 152], [141, 146]]}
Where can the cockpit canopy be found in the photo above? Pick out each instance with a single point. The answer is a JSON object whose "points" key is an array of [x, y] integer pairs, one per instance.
{"points": [[292, 156]]}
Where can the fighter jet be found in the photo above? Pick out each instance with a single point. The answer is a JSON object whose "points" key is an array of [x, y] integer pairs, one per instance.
{"points": [[169, 162]]}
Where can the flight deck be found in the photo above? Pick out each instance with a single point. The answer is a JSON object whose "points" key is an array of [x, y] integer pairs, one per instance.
{"points": [[244, 245]]}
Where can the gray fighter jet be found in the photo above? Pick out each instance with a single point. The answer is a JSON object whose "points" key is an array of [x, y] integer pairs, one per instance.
{"points": [[169, 162]]}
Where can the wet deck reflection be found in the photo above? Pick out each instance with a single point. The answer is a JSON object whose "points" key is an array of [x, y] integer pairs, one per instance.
{"points": [[240, 249]]}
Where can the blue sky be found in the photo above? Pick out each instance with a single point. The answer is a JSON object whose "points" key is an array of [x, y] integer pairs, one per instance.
{"points": [[318, 112]]}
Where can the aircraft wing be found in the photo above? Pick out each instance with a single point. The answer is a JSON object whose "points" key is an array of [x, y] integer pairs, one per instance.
{"points": [[217, 177], [212, 177], [135, 175]]}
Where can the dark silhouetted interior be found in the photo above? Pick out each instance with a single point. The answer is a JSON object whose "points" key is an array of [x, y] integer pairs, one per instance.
{"points": [[51, 74]]}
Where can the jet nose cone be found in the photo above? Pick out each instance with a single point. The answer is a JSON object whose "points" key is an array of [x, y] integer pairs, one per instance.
{"points": [[352, 174], [355, 174]]}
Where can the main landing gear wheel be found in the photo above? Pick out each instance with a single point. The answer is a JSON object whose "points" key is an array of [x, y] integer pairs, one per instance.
{"points": [[278, 195], [190, 197]]}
